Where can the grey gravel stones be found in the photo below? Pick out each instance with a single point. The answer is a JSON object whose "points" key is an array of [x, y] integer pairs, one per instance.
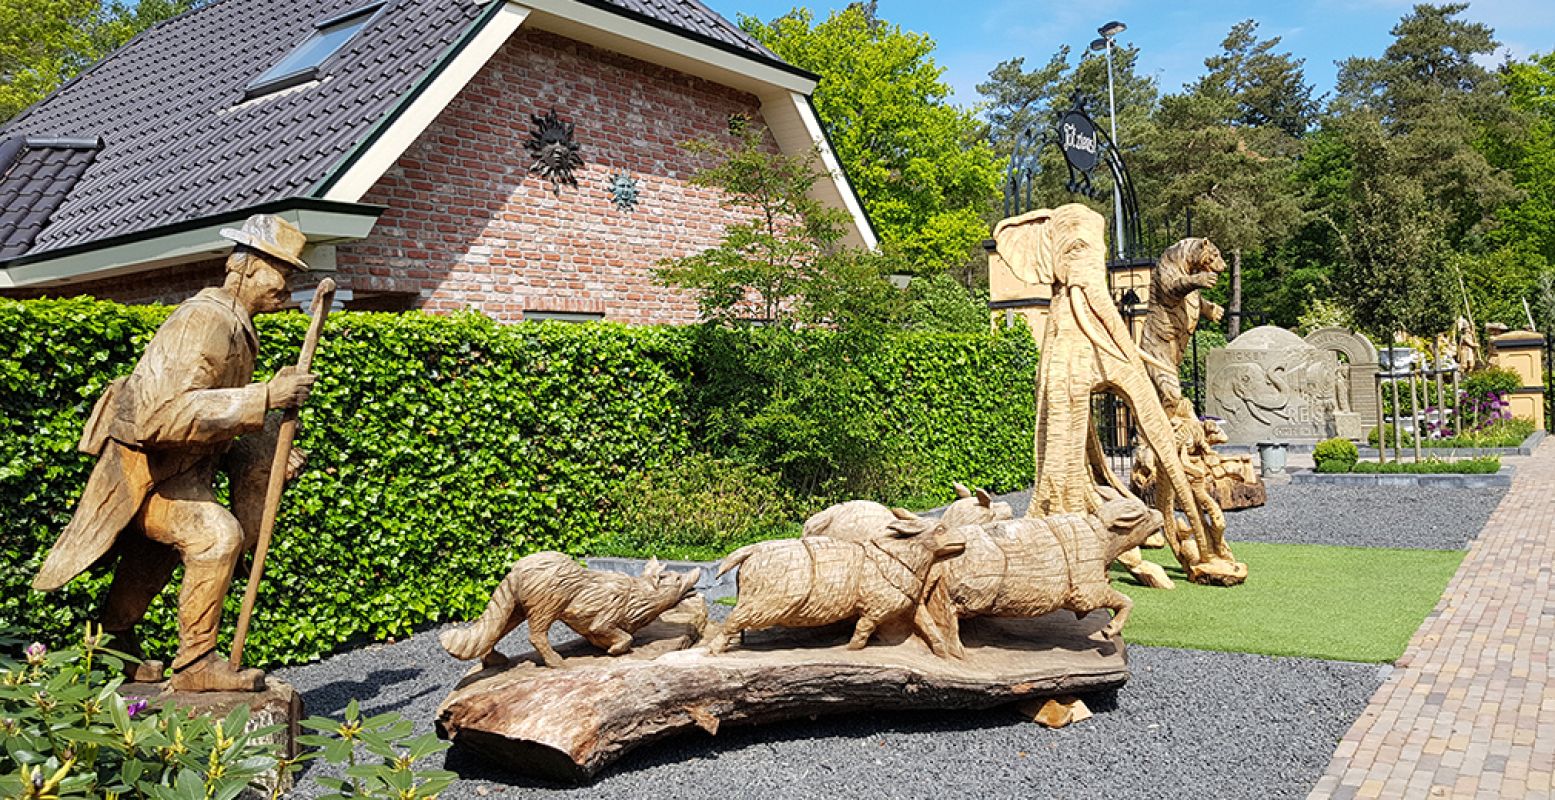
{"points": [[1239, 725], [1367, 516], [1429, 518]]}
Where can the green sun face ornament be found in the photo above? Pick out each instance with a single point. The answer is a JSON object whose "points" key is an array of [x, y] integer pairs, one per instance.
{"points": [[623, 191]]}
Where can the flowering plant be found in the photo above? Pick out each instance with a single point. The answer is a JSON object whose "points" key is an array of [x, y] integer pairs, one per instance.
{"points": [[65, 731]]}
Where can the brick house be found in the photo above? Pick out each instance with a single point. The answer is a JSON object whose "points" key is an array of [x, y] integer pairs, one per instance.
{"points": [[394, 134]]}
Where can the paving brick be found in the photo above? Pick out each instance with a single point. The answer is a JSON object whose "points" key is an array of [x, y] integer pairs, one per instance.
{"points": [[1472, 694]]}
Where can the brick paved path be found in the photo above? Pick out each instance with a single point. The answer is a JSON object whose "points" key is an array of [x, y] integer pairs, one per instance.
{"points": [[1469, 710]]}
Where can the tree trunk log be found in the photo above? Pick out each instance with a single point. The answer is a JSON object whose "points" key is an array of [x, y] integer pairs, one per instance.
{"points": [[567, 724]]}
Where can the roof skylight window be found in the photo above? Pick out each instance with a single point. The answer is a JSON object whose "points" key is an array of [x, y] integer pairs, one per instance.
{"points": [[302, 63]]}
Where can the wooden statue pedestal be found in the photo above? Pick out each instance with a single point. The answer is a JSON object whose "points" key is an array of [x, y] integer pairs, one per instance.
{"points": [[278, 704], [567, 724]]}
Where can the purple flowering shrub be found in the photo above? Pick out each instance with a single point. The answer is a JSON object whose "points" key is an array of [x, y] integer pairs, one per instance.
{"points": [[66, 732]]}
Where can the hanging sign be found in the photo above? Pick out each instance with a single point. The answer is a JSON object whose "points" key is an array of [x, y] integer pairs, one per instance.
{"points": [[1078, 138]]}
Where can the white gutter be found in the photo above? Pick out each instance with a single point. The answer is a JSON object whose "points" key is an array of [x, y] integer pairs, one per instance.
{"points": [[424, 110], [323, 229], [608, 30], [793, 123]]}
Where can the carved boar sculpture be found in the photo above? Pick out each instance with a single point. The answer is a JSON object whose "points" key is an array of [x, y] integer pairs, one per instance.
{"points": [[803, 583], [605, 608], [1035, 565], [862, 520]]}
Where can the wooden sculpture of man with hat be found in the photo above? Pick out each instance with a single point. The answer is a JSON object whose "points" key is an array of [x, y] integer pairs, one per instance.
{"points": [[160, 434]]}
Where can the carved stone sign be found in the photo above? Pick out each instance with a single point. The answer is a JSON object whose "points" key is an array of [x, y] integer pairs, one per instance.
{"points": [[1358, 368], [1269, 384]]}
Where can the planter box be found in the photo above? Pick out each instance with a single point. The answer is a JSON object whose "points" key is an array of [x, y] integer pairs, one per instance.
{"points": [[1444, 480]]}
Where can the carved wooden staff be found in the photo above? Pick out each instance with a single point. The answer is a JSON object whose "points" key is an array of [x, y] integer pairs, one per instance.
{"points": [[323, 296]]}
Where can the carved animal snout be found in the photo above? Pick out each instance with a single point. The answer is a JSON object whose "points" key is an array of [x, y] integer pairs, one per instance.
{"points": [[948, 543]]}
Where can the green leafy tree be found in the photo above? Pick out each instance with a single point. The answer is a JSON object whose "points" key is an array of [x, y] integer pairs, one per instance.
{"points": [[1526, 233], [1443, 110], [44, 43], [1269, 88], [917, 161], [1390, 273], [1225, 150], [1018, 98], [785, 264], [1425, 126]]}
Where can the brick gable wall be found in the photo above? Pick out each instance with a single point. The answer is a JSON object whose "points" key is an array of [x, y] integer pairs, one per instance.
{"points": [[468, 226]]}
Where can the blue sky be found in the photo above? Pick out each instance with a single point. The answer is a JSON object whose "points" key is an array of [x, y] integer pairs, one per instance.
{"points": [[1174, 37]]}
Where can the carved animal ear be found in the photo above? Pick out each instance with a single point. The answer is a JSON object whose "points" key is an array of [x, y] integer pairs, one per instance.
{"points": [[910, 527], [902, 513], [961, 490], [1025, 244], [984, 499], [652, 568]]}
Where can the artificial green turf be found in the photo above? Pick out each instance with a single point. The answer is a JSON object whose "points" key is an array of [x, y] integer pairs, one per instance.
{"points": [[1342, 603]]}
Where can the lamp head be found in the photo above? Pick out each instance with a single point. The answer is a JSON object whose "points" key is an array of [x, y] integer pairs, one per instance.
{"points": [[1099, 45], [1112, 29]]}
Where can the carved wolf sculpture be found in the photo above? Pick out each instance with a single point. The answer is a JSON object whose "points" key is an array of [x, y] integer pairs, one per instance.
{"points": [[862, 520], [1035, 565], [804, 583], [605, 608]]}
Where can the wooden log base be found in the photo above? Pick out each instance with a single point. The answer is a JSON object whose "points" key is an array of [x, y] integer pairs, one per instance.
{"points": [[1218, 572], [1055, 712], [567, 724], [277, 704], [1236, 495]]}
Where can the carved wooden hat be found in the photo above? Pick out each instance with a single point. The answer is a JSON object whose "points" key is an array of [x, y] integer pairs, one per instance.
{"points": [[272, 236]]}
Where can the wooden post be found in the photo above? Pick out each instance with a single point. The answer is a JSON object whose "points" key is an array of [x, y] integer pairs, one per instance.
{"points": [[1398, 433], [322, 297], [1416, 376], [1457, 402], [1382, 440]]}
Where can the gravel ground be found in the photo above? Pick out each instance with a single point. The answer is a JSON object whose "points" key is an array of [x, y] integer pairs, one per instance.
{"points": [[1358, 516], [1188, 724]]}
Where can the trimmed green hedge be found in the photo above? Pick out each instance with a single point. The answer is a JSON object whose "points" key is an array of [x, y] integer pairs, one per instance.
{"points": [[442, 448], [1483, 465]]}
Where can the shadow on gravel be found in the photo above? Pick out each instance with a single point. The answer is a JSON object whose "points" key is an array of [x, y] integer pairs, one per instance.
{"points": [[331, 699], [679, 749]]}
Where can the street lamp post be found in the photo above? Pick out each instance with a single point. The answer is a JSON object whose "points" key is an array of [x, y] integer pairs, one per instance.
{"points": [[1108, 33]]}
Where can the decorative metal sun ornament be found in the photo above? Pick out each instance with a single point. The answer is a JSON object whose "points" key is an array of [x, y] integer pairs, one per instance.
{"points": [[554, 151], [623, 191]]}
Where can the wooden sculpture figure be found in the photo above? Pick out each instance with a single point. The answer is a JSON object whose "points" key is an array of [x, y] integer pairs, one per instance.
{"points": [[160, 434], [605, 608], [1176, 307], [1468, 347], [862, 520], [1035, 565], [1086, 348], [819, 580], [1195, 440]]}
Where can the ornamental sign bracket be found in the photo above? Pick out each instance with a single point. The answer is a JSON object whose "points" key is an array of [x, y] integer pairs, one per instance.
{"points": [[1085, 146]]}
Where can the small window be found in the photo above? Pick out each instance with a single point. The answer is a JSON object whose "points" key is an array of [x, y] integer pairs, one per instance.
{"points": [[302, 63], [531, 315]]}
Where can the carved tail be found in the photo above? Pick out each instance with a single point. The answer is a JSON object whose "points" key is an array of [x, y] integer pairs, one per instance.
{"points": [[502, 615], [735, 559]]}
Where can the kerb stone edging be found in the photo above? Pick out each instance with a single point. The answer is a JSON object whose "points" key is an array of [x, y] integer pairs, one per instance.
{"points": [[1440, 480]]}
